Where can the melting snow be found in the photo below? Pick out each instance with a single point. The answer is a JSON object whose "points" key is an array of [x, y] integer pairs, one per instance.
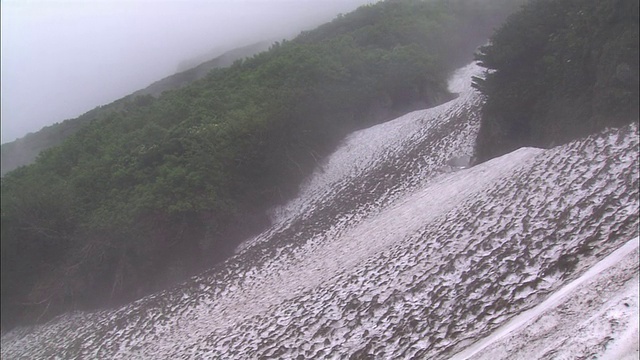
{"points": [[386, 254], [523, 327]]}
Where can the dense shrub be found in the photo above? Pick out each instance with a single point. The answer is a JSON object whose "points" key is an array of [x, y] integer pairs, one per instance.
{"points": [[560, 70]]}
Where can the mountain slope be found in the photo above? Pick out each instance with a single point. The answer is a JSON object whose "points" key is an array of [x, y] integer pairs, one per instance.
{"points": [[162, 188], [560, 70], [387, 253], [25, 150], [199, 71]]}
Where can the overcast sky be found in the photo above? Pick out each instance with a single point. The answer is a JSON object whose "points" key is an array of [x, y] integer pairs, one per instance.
{"points": [[61, 58]]}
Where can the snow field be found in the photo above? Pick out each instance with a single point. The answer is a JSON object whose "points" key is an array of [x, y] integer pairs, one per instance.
{"points": [[386, 255]]}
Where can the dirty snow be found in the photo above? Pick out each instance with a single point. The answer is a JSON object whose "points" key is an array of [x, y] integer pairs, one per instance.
{"points": [[534, 325], [388, 253]]}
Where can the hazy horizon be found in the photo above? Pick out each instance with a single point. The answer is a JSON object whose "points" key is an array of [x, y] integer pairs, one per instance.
{"points": [[63, 58]]}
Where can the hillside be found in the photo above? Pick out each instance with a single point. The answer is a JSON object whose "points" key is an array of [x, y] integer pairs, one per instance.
{"points": [[389, 252], [342, 195], [188, 76], [25, 150], [162, 188], [560, 70]]}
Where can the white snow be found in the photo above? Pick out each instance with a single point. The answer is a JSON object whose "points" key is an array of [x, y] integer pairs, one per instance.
{"points": [[384, 254], [554, 301], [626, 346], [363, 150]]}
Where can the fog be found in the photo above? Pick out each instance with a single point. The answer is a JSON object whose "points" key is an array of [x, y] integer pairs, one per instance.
{"points": [[61, 58]]}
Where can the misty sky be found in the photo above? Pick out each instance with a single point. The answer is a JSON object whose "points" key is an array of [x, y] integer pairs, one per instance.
{"points": [[61, 58]]}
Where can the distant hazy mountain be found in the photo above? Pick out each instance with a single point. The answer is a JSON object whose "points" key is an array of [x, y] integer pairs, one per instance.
{"points": [[219, 56], [186, 77], [24, 151]]}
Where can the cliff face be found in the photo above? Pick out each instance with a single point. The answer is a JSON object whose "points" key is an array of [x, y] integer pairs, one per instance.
{"points": [[388, 252]]}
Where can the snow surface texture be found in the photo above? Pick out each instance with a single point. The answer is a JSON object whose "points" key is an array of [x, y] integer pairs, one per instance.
{"points": [[606, 304], [388, 253]]}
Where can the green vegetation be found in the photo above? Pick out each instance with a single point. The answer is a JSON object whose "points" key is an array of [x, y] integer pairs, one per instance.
{"points": [[25, 150], [164, 187], [561, 69]]}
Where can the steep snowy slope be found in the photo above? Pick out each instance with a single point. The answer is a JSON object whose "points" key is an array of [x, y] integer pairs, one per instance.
{"points": [[388, 253]]}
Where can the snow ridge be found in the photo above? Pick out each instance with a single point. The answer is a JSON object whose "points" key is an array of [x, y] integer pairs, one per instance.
{"points": [[388, 254], [540, 313]]}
